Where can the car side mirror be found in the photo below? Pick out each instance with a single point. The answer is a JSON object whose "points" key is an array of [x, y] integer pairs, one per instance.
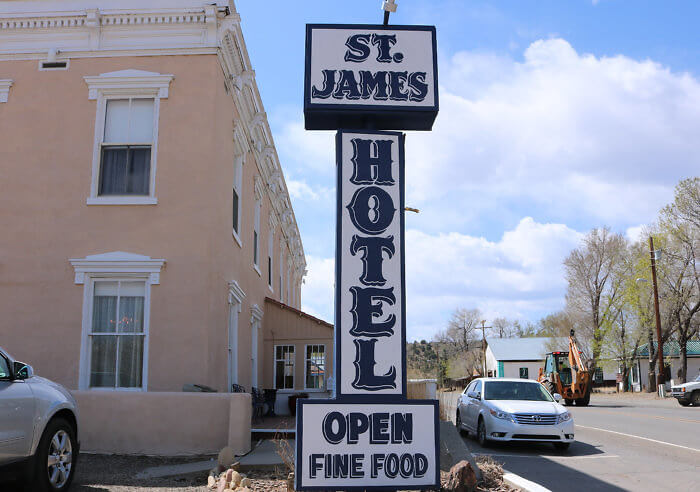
{"points": [[557, 397], [22, 371]]}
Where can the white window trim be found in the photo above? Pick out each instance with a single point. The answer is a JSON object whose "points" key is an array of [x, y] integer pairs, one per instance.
{"points": [[235, 301], [5, 85], [274, 368], [325, 379], [114, 266], [256, 315], [125, 84]]}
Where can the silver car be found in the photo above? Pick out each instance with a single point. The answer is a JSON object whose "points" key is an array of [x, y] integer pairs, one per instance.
{"points": [[38, 428], [500, 409]]}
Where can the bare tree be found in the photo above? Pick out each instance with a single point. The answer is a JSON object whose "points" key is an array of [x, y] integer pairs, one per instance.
{"points": [[503, 328], [462, 329], [680, 223], [592, 290]]}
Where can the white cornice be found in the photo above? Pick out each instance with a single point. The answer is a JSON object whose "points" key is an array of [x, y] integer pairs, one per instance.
{"points": [[5, 85], [126, 81], [235, 293], [117, 262]]}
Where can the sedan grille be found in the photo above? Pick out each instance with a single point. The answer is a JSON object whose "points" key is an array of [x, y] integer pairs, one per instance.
{"points": [[535, 419]]}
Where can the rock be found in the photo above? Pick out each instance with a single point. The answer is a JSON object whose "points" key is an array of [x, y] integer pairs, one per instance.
{"points": [[242, 489], [235, 466], [226, 456], [246, 482], [221, 486], [211, 482], [228, 475], [290, 482], [462, 478], [235, 479]]}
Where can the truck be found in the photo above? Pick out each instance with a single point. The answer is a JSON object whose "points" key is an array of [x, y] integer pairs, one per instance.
{"points": [[687, 393], [565, 373]]}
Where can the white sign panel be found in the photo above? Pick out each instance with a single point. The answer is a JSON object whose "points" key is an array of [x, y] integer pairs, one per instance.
{"points": [[370, 312], [355, 446], [359, 73]]}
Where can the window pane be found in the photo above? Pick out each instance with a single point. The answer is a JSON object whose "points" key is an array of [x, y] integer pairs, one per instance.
{"points": [[130, 361], [103, 361], [130, 314], [117, 121], [104, 314], [235, 211], [255, 247], [113, 171], [138, 171], [141, 121], [279, 374]]}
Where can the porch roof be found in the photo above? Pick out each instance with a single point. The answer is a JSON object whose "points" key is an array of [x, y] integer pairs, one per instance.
{"points": [[672, 349]]}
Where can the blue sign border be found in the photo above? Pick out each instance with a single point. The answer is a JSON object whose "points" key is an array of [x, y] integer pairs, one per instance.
{"points": [[318, 116], [369, 398], [378, 399]]}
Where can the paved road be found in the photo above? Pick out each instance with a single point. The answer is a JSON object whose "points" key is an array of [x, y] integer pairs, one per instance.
{"points": [[622, 443]]}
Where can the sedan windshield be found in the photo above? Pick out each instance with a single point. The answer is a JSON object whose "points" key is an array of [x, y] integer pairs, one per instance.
{"points": [[512, 390]]}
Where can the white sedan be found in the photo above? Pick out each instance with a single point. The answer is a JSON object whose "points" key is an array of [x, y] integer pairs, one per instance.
{"points": [[500, 409]]}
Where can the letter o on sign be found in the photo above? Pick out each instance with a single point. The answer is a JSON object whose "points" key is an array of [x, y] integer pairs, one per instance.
{"points": [[371, 210], [334, 437]]}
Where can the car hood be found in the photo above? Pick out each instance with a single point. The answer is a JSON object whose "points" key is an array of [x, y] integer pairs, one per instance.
{"points": [[522, 406], [686, 385]]}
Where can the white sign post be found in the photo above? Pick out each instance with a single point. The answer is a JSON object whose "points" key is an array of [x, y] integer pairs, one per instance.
{"points": [[370, 436]]}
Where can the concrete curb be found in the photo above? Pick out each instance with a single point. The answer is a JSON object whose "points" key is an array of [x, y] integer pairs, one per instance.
{"points": [[520, 483]]}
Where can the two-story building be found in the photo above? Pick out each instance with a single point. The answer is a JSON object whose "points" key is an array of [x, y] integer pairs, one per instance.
{"points": [[147, 236]]}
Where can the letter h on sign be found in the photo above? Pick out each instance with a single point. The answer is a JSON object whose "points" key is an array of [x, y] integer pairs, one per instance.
{"points": [[370, 307]]}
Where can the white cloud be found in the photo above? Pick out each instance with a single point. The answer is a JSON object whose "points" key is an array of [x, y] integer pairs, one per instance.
{"points": [[634, 233], [518, 276], [584, 136]]}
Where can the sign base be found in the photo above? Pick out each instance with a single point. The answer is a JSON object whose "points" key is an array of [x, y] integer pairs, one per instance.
{"points": [[352, 444]]}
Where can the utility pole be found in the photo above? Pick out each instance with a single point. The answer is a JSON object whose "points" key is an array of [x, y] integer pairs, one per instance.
{"points": [[652, 253], [483, 343]]}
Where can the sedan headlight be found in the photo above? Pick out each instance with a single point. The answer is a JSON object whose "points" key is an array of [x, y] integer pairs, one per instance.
{"points": [[502, 415], [564, 417]]}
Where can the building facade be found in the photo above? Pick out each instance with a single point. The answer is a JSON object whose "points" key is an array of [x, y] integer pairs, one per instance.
{"points": [[144, 210]]}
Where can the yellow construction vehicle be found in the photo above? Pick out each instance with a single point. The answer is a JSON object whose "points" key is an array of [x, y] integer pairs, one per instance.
{"points": [[566, 374]]}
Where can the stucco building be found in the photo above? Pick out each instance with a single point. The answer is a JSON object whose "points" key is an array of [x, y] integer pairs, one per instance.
{"points": [[148, 239]]}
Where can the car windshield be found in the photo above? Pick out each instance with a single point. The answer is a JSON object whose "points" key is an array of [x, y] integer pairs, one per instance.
{"points": [[698, 378], [515, 390]]}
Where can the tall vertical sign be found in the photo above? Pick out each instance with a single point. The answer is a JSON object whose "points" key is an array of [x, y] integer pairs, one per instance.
{"points": [[370, 435]]}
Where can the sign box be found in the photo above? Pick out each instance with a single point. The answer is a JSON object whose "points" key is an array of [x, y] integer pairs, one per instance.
{"points": [[370, 76], [356, 446], [370, 294]]}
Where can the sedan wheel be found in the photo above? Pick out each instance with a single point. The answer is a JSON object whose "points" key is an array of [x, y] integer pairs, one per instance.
{"points": [[55, 461], [481, 433], [60, 459], [696, 398]]}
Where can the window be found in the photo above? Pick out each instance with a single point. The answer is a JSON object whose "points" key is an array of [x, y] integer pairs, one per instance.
{"points": [[256, 236], [524, 373], [125, 163], [269, 259], [4, 368], [117, 334], [598, 375], [126, 136], [236, 205], [284, 366], [315, 366]]}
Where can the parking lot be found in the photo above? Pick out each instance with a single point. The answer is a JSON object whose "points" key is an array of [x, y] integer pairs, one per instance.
{"points": [[623, 442]]}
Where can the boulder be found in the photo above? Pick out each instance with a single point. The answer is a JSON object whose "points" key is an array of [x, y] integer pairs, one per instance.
{"points": [[462, 478], [211, 482], [246, 482], [235, 479]]}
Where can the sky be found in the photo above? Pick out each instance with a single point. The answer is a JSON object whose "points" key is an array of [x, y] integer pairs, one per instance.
{"points": [[555, 117]]}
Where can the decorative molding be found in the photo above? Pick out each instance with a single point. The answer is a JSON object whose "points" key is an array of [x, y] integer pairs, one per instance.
{"points": [[235, 294], [273, 222], [258, 188], [117, 262], [125, 82], [5, 85], [256, 314]]}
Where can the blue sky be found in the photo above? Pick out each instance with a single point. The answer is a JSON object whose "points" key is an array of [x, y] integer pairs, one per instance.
{"points": [[556, 117]]}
